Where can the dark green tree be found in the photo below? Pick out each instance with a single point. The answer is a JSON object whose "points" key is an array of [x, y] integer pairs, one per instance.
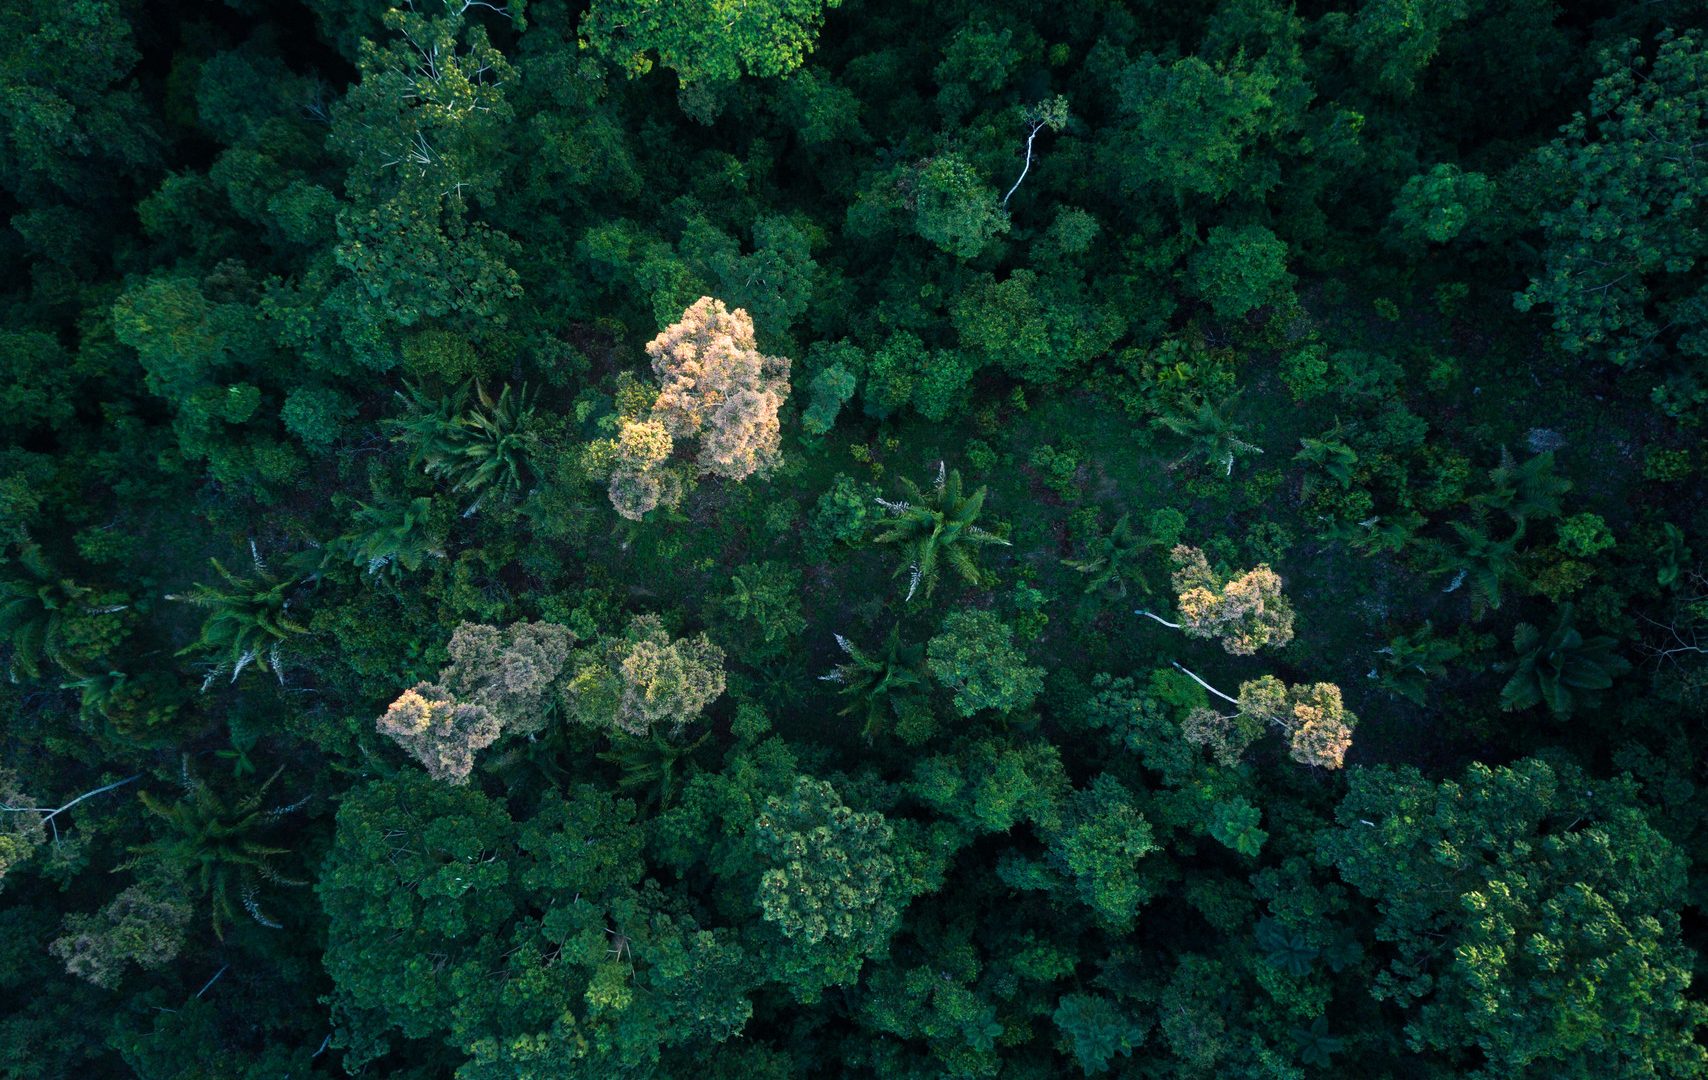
{"points": [[1620, 270], [1239, 270], [1411, 661], [1532, 917], [831, 888], [1481, 562], [44, 616]]}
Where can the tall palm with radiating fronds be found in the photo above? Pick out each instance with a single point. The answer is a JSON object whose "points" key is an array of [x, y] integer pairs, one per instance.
{"points": [[392, 538], [37, 607], [1411, 662], [936, 526], [1480, 561], [1112, 561], [654, 763], [882, 685], [486, 448], [218, 846], [247, 621], [1526, 491], [1212, 433]]}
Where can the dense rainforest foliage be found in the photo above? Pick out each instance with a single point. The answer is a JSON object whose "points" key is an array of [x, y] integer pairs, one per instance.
{"points": [[812, 538]]}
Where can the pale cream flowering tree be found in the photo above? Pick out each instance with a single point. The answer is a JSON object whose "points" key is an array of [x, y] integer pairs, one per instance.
{"points": [[1313, 716], [1246, 612], [718, 400]]}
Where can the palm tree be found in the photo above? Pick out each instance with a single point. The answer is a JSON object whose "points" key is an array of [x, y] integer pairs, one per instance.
{"points": [[218, 846], [1526, 491], [936, 526], [1481, 561], [1380, 532], [247, 621], [1411, 660], [35, 610], [882, 684], [1332, 456], [486, 448], [1109, 560], [429, 424], [653, 762], [1560, 667], [1213, 435], [98, 692], [391, 538]]}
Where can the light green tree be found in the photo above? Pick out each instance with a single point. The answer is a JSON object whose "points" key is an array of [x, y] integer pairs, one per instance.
{"points": [[832, 887], [644, 679], [705, 40]]}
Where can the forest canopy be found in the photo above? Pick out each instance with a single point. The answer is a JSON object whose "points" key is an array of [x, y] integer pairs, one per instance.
{"points": [[815, 538]]}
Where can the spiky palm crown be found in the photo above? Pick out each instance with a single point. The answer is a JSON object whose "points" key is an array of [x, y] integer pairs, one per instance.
{"points": [[217, 846], [653, 762], [429, 424], [935, 526], [1411, 660], [881, 683], [1108, 559], [246, 623], [392, 537], [1213, 434], [1483, 561], [1330, 455], [34, 607], [1526, 491], [483, 448], [99, 689]]}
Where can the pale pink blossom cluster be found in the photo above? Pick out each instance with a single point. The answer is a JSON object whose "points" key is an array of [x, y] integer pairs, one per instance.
{"points": [[1246, 612], [716, 388]]}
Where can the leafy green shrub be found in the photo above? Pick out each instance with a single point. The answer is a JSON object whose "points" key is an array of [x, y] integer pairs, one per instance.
{"points": [[975, 658], [1584, 535], [316, 415], [1240, 269], [846, 511], [1438, 205]]}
